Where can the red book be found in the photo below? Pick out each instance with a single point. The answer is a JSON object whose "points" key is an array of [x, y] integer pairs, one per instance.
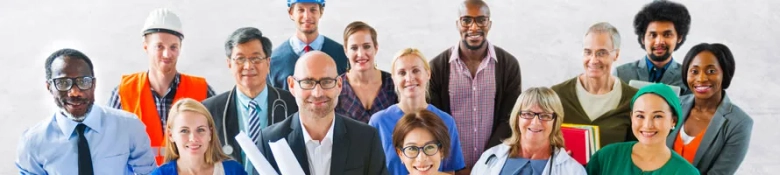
{"points": [[577, 141]]}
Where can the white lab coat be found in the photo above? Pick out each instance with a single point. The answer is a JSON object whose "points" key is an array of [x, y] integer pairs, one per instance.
{"points": [[492, 160]]}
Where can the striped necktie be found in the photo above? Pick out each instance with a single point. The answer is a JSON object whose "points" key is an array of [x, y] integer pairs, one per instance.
{"points": [[255, 122]]}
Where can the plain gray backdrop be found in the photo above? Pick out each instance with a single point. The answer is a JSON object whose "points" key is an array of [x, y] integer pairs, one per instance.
{"points": [[545, 36]]}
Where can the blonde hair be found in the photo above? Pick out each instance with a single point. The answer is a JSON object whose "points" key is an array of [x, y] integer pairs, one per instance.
{"points": [[411, 52], [546, 99], [213, 152]]}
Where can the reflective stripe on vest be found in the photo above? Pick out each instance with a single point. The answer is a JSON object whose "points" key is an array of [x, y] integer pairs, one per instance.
{"points": [[135, 96]]}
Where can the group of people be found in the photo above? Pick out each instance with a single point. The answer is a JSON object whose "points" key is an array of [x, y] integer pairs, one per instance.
{"points": [[462, 112]]}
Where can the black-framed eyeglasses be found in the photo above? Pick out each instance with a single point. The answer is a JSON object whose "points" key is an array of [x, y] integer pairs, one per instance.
{"points": [[541, 115], [467, 21], [601, 53], [414, 151], [253, 60], [309, 84], [65, 83]]}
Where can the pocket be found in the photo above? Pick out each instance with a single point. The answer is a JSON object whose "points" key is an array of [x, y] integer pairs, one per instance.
{"points": [[111, 160]]}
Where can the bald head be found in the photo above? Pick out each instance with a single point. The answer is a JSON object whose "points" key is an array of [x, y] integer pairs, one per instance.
{"points": [[475, 5], [315, 63]]}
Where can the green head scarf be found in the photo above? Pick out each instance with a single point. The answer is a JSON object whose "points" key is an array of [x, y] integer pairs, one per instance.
{"points": [[667, 94]]}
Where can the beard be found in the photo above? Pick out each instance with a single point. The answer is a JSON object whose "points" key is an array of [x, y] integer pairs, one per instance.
{"points": [[470, 47], [329, 107], [660, 58], [61, 104]]}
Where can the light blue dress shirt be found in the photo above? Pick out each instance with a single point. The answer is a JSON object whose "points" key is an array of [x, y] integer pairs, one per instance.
{"points": [[117, 141], [298, 45], [243, 114]]}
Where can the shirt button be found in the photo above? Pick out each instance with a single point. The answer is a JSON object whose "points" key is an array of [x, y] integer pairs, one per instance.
{"points": [[475, 109], [475, 129]]}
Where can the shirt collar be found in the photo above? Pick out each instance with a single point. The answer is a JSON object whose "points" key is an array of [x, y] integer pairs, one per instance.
{"points": [[328, 136], [650, 64], [261, 99], [298, 45], [455, 53], [93, 120]]}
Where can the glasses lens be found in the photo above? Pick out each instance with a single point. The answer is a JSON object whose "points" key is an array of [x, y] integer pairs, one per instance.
{"points": [[526, 115], [84, 83], [411, 151], [466, 21], [547, 117], [430, 149], [307, 84], [63, 84], [327, 83]]}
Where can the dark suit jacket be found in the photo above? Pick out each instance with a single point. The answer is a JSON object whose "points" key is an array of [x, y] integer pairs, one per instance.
{"points": [[638, 70], [356, 146], [216, 106], [726, 141]]}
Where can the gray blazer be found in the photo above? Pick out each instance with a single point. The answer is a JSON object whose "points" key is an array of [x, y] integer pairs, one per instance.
{"points": [[638, 70], [356, 146], [726, 140]]}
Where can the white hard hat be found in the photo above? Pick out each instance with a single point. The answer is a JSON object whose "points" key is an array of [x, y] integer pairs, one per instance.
{"points": [[163, 20]]}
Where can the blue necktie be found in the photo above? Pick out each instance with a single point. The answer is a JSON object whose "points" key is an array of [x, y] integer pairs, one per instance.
{"points": [[254, 121]]}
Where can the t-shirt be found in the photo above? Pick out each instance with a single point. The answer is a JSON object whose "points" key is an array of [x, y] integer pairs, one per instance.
{"points": [[616, 159], [596, 105], [384, 121]]}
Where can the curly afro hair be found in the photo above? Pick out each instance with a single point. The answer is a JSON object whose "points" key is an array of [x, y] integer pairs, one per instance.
{"points": [[662, 10]]}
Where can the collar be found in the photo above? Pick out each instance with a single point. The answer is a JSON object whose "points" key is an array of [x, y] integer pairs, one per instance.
{"points": [[650, 64], [261, 99], [455, 52], [560, 157], [93, 120], [328, 136], [298, 45]]}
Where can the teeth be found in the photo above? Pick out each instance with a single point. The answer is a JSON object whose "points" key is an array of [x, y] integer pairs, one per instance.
{"points": [[648, 134], [529, 129], [423, 169]]}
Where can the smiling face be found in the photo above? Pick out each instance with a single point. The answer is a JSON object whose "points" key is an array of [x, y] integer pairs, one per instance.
{"points": [[163, 51], [535, 130], [423, 163], [361, 50], [75, 102], [651, 119], [306, 16], [411, 77], [191, 134], [249, 75], [705, 76], [319, 101], [660, 40], [598, 54], [474, 24]]}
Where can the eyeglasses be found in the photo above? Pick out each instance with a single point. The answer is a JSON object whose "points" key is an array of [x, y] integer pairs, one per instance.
{"points": [[542, 116], [65, 83], [253, 60], [601, 53], [467, 21], [414, 151], [309, 84]]}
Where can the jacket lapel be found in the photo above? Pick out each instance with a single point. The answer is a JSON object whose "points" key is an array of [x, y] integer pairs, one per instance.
{"points": [[295, 140], [340, 150], [642, 71], [672, 73], [232, 128], [713, 130]]}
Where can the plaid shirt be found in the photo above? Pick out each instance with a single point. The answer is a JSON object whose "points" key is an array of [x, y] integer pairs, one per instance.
{"points": [[163, 103], [472, 102], [350, 105]]}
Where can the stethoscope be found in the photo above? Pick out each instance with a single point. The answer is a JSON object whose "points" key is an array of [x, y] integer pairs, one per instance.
{"points": [[228, 149], [491, 161]]}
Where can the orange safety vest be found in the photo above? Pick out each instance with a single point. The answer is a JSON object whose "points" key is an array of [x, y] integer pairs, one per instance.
{"points": [[136, 97]]}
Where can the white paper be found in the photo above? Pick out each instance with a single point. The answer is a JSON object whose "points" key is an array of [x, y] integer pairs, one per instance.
{"points": [[258, 160], [285, 158]]}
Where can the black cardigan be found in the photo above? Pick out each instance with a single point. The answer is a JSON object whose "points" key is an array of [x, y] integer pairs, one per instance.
{"points": [[508, 88]]}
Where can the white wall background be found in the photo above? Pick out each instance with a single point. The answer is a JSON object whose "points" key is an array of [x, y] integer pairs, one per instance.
{"points": [[545, 36]]}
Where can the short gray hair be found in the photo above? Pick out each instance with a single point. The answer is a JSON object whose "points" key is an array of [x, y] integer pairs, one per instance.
{"points": [[605, 27]]}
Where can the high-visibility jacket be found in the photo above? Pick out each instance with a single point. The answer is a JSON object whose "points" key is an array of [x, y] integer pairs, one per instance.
{"points": [[136, 97]]}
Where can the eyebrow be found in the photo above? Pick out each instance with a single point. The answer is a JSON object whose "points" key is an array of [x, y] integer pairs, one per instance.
{"points": [[415, 144]]}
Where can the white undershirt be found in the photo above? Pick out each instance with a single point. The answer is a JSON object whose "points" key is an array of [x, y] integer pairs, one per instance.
{"points": [[596, 105], [685, 137], [319, 153]]}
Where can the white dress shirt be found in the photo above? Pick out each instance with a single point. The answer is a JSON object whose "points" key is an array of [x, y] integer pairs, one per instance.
{"points": [[319, 152]]}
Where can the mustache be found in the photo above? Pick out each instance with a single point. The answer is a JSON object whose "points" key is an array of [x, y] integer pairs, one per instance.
{"points": [[73, 99]]}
